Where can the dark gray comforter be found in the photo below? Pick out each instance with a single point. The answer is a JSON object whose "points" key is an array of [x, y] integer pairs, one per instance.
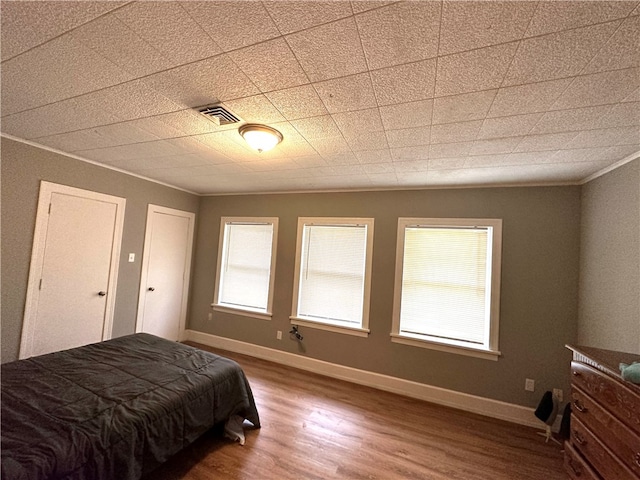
{"points": [[115, 409]]}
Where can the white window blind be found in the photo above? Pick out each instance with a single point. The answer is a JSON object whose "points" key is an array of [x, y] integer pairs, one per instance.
{"points": [[246, 265], [332, 277], [446, 283]]}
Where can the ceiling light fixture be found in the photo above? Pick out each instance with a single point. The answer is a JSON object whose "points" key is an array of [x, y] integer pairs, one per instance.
{"points": [[260, 137]]}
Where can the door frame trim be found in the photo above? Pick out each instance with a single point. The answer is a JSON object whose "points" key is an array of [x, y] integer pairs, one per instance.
{"points": [[47, 189], [145, 265]]}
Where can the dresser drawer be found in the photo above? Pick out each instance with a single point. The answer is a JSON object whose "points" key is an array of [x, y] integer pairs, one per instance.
{"points": [[576, 467], [612, 432], [599, 456], [619, 400]]}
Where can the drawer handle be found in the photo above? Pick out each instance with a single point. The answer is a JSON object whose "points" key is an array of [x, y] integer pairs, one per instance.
{"points": [[637, 459], [579, 406], [576, 469], [579, 439], [576, 373]]}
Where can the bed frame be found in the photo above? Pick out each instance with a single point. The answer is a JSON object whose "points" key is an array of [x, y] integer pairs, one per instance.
{"points": [[115, 409]]}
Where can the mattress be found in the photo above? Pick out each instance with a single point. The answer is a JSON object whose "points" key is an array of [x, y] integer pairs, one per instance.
{"points": [[115, 409]]}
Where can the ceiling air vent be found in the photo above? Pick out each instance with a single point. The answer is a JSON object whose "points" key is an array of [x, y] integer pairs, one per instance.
{"points": [[218, 114]]}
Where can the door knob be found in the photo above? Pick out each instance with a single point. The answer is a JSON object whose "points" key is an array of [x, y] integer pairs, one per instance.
{"points": [[151, 289], [102, 294]]}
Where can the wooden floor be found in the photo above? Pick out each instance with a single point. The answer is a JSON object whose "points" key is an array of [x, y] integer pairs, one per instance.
{"points": [[315, 427]]}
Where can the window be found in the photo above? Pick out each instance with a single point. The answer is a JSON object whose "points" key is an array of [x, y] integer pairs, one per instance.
{"points": [[333, 274], [246, 264], [447, 286]]}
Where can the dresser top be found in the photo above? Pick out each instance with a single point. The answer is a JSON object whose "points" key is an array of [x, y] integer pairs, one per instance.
{"points": [[607, 360]]}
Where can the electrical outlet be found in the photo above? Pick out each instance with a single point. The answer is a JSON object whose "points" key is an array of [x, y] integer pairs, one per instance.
{"points": [[210, 316], [279, 335], [557, 393], [529, 385]]}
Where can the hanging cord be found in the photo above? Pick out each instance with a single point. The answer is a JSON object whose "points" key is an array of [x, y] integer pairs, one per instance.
{"points": [[294, 332]]}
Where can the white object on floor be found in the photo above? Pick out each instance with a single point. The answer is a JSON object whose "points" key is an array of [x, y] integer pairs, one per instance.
{"points": [[233, 429]]}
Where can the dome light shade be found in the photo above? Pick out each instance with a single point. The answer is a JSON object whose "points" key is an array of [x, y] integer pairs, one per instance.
{"points": [[260, 137]]}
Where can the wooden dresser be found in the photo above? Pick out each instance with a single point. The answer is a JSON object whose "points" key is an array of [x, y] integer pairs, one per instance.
{"points": [[605, 417]]}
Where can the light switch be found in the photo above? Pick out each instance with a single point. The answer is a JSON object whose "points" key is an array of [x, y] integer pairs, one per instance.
{"points": [[132, 257]]}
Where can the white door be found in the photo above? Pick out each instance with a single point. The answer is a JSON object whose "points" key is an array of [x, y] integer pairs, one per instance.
{"points": [[166, 265], [73, 270]]}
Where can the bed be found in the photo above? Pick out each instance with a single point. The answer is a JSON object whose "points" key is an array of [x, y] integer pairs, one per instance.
{"points": [[115, 409]]}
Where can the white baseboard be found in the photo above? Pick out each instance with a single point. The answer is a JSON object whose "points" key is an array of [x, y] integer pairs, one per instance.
{"points": [[450, 398]]}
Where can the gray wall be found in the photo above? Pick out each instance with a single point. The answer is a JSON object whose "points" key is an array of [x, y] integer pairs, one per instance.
{"points": [[539, 285], [23, 167], [609, 295]]}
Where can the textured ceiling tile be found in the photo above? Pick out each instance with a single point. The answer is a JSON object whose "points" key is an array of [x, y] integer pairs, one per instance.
{"points": [[377, 168], [494, 146], [112, 39], [168, 28], [404, 83], [229, 143], [27, 24], [360, 6], [400, 33], [529, 98], [551, 141], [329, 146], [474, 70], [482, 161], [270, 65], [508, 126], [571, 120], [557, 55], [308, 161], [405, 154], [579, 155], [447, 163], [360, 122], [182, 122], [373, 156], [607, 137], [622, 115], [66, 116], [450, 150], [556, 16], [347, 93], [599, 89], [633, 97], [621, 51], [408, 137], [60, 69], [412, 167], [316, 127], [621, 152], [367, 141], [406, 115], [292, 16], [344, 158], [203, 82], [133, 100], [529, 158], [233, 24], [465, 107], [99, 137], [329, 51], [297, 102], [471, 25], [455, 132]]}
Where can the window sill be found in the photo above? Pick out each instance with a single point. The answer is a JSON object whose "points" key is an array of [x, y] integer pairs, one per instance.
{"points": [[241, 311], [358, 332], [459, 350]]}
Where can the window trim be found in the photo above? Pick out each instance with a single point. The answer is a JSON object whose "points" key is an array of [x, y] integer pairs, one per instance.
{"points": [[490, 350], [238, 310], [363, 329]]}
